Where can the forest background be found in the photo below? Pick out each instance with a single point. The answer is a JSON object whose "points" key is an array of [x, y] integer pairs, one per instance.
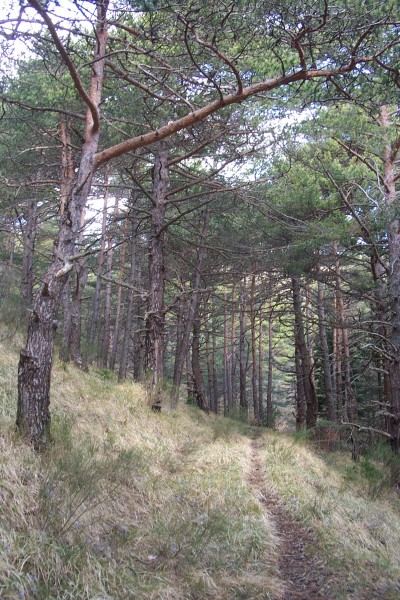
{"points": [[208, 195]]}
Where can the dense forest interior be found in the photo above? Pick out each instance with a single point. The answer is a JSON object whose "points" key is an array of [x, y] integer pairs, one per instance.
{"points": [[204, 197]]}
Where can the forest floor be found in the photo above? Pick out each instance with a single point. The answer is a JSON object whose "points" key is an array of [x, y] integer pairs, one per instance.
{"points": [[128, 504]]}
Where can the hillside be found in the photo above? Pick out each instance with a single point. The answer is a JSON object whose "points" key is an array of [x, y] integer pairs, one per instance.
{"points": [[129, 504]]}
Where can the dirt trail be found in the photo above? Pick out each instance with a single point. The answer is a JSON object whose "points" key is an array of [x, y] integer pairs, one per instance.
{"points": [[304, 574]]}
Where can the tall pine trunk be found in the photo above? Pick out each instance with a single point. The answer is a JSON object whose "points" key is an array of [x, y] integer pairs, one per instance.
{"points": [[194, 305], [307, 396], [133, 218], [94, 324], [117, 322], [34, 369], [242, 348], [269, 407], [326, 363], [156, 314], [254, 369]]}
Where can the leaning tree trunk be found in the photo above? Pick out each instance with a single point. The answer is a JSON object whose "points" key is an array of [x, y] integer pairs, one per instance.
{"points": [[34, 369], [66, 184], [156, 313]]}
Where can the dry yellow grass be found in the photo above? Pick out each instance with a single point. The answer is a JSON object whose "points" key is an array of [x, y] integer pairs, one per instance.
{"points": [[127, 503], [131, 504], [360, 532]]}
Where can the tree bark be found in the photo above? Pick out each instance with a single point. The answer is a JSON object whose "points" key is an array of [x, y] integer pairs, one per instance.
{"points": [[350, 407], [156, 314], [80, 276], [34, 369], [198, 387], [194, 305], [227, 366]]}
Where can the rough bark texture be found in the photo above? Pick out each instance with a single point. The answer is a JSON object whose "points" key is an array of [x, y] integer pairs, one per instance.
{"points": [[34, 370], [106, 330], [156, 316], [193, 311], [81, 276], [198, 386]]}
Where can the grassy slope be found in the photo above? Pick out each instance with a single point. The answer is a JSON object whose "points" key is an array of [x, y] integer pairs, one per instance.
{"points": [[131, 504]]}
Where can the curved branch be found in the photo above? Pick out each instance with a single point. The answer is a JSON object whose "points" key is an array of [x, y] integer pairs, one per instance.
{"points": [[200, 114]]}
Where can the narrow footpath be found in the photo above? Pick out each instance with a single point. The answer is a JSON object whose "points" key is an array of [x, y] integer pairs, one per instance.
{"points": [[305, 575]]}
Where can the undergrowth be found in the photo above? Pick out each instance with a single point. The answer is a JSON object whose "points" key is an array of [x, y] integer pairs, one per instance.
{"points": [[128, 504]]}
